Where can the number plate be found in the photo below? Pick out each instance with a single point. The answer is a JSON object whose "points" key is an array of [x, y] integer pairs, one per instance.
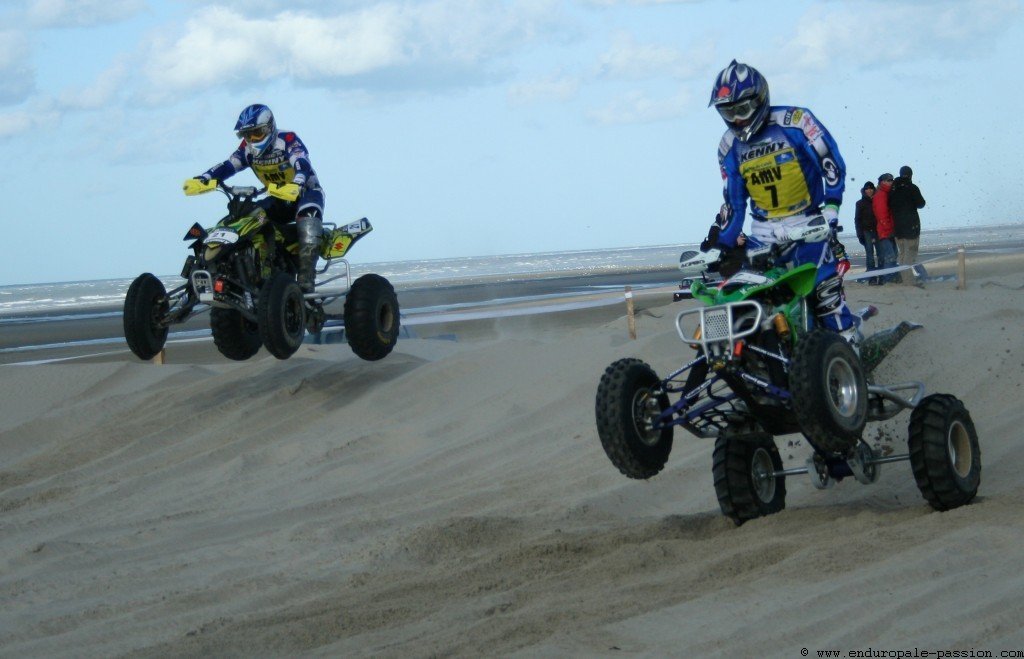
{"points": [[222, 236]]}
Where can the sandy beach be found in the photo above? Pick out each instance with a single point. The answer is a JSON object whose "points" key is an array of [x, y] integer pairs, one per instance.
{"points": [[454, 500]]}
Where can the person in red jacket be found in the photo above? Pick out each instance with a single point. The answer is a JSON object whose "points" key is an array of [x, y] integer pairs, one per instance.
{"points": [[884, 224]]}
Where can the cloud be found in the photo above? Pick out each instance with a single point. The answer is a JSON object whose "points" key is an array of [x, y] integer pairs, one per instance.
{"points": [[101, 92], [627, 59], [613, 3], [412, 45], [80, 13], [37, 114], [828, 35], [557, 87], [637, 107], [17, 77]]}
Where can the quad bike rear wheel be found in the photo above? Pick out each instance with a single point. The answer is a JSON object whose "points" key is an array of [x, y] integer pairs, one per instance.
{"points": [[145, 304], [944, 452], [371, 317], [281, 310], [744, 464], [235, 337], [830, 391], [627, 406]]}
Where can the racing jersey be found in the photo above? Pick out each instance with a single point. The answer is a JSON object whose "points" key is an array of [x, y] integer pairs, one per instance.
{"points": [[286, 161], [791, 167]]}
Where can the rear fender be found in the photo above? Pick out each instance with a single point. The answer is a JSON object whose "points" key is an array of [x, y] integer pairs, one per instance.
{"points": [[745, 284]]}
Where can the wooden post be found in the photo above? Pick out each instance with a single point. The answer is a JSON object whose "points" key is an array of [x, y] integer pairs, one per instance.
{"points": [[159, 359], [961, 268], [630, 315]]}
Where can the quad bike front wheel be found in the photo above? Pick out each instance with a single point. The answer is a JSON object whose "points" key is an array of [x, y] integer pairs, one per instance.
{"points": [[145, 304], [744, 467], [627, 407], [944, 452], [830, 391], [371, 317], [281, 311], [235, 336]]}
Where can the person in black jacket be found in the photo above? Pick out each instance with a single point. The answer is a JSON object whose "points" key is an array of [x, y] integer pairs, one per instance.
{"points": [[867, 231], [905, 199]]}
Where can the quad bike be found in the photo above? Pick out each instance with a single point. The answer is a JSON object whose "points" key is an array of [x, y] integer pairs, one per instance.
{"points": [[243, 271], [764, 368]]}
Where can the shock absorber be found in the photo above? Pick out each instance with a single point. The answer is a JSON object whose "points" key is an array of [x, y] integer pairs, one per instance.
{"points": [[781, 326]]}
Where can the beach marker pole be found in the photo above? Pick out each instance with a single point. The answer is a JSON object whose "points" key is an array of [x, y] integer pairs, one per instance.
{"points": [[159, 359], [630, 315], [961, 268]]}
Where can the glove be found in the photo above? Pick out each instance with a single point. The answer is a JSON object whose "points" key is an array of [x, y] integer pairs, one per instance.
{"points": [[198, 185], [711, 241], [780, 233], [831, 214], [287, 191], [843, 267], [838, 250]]}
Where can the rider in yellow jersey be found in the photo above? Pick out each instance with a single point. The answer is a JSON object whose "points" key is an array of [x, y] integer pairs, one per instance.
{"points": [[280, 161], [783, 163]]}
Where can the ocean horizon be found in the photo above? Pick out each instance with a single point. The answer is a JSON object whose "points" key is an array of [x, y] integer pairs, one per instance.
{"points": [[77, 296]]}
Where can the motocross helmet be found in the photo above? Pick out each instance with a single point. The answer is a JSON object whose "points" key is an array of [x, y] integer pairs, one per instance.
{"points": [[740, 95], [257, 127]]}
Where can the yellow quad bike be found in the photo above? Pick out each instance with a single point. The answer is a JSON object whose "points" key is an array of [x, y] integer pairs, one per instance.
{"points": [[243, 270]]}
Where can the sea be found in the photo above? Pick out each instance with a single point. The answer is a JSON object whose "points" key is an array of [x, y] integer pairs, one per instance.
{"points": [[77, 297]]}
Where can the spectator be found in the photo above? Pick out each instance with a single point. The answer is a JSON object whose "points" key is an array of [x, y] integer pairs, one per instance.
{"points": [[884, 224], [867, 230], [904, 201]]}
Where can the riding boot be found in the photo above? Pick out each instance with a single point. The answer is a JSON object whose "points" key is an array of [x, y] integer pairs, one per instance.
{"points": [[853, 336], [310, 227], [307, 267]]}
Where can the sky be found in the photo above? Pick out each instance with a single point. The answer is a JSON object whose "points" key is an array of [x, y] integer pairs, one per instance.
{"points": [[479, 127]]}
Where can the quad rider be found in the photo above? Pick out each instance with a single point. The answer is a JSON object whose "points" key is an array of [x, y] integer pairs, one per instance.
{"points": [[787, 165], [280, 161]]}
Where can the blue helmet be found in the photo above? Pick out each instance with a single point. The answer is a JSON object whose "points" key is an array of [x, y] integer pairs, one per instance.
{"points": [[257, 127], [740, 95]]}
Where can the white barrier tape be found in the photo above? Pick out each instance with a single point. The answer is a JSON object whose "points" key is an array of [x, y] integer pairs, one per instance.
{"points": [[867, 274]]}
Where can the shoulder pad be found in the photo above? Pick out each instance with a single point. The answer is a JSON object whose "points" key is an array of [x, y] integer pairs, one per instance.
{"points": [[288, 137], [728, 139], [789, 116]]}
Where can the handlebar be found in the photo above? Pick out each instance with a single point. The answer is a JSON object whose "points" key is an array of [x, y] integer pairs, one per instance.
{"points": [[694, 263], [240, 190], [195, 186]]}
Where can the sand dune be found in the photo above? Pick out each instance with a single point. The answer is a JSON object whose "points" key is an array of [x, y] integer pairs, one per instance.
{"points": [[454, 499]]}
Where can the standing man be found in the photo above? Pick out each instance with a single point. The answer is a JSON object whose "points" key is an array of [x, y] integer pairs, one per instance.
{"points": [[867, 229], [784, 162], [883, 221], [905, 200]]}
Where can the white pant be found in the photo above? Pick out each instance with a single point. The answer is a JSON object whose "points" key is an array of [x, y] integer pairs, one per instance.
{"points": [[764, 230]]}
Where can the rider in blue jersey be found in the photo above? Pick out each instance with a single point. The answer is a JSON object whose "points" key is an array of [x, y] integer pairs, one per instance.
{"points": [[783, 162], [279, 158]]}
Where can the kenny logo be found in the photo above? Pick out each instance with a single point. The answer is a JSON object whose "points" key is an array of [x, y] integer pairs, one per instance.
{"points": [[759, 150]]}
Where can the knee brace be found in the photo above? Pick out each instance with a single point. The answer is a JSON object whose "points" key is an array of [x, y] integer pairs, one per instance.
{"points": [[828, 295]]}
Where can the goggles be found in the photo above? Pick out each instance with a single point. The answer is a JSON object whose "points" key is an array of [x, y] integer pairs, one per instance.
{"points": [[254, 134], [740, 110]]}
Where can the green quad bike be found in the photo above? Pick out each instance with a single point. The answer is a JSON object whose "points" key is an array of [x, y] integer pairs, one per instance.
{"points": [[243, 271], [763, 369]]}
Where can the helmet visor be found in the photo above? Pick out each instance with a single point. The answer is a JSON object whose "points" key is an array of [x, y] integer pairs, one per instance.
{"points": [[254, 134], [740, 110]]}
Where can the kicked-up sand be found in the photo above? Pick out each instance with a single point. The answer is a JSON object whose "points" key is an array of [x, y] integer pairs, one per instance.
{"points": [[454, 499]]}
